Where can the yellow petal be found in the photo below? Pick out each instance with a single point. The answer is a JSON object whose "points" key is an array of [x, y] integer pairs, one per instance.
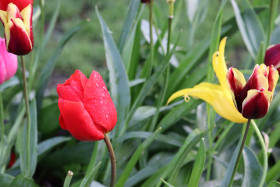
{"points": [[220, 67], [214, 95]]}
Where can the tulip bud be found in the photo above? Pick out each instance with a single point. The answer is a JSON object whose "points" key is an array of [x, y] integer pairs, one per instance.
{"points": [[145, 1], [86, 108], [8, 63], [16, 17], [252, 99], [272, 56]]}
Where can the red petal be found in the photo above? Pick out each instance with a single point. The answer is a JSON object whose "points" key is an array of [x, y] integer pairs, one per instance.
{"points": [[256, 104], [78, 122], [272, 56], [99, 104], [20, 43], [62, 123], [21, 4], [236, 81], [257, 81], [73, 88]]}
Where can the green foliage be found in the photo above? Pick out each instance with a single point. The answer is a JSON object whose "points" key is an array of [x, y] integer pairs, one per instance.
{"points": [[192, 146]]}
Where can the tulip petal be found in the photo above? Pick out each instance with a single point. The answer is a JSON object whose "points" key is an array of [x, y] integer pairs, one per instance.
{"points": [[21, 4], [62, 123], [256, 104], [272, 78], [219, 65], [236, 82], [78, 122], [73, 88], [8, 63], [272, 56], [214, 95], [99, 104]]}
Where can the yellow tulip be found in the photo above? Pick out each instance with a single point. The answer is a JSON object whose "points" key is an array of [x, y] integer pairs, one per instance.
{"points": [[219, 96]]}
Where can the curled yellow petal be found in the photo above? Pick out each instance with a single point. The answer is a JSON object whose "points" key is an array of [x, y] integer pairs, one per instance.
{"points": [[220, 67], [214, 95]]}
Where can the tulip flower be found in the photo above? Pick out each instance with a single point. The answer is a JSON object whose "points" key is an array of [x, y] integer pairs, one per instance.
{"points": [[8, 63], [145, 1], [252, 99], [217, 95], [16, 16], [272, 56], [86, 108]]}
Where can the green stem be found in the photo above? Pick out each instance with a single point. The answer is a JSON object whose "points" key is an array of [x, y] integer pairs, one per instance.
{"points": [[68, 178], [264, 149], [26, 98], [2, 129], [150, 67], [113, 160], [162, 96], [240, 151]]}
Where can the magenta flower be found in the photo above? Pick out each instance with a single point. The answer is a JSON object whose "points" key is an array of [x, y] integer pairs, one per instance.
{"points": [[8, 63]]}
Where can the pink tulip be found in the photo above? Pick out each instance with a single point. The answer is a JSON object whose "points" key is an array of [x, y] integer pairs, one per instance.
{"points": [[8, 63]]}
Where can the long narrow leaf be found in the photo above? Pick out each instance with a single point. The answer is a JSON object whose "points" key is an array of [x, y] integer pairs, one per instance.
{"points": [[119, 84], [130, 165]]}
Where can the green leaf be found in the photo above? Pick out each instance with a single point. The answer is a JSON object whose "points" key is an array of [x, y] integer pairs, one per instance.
{"points": [[43, 44], [132, 13], [253, 170], [119, 85], [132, 162], [177, 161], [166, 183], [198, 165], [27, 142], [20, 181], [47, 122], [49, 67], [90, 177], [274, 184], [131, 44], [48, 144], [5, 180], [249, 26], [230, 168], [177, 113], [274, 172], [143, 134]]}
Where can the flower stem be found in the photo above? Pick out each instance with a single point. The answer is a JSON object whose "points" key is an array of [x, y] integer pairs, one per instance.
{"points": [[113, 160], [26, 98], [163, 93], [68, 178], [240, 151], [264, 149], [151, 38], [2, 130]]}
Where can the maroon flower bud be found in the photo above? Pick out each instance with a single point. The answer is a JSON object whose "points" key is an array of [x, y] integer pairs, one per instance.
{"points": [[272, 56], [145, 1]]}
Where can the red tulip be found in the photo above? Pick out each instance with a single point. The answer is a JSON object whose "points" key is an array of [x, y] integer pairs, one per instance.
{"points": [[16, 16], [86, 108], [272, 57], [252, 99], [8, 63]]}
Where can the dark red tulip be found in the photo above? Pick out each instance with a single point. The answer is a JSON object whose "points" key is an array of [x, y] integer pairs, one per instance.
{"points": [[252, 99], [86, 108], [16, 16], [272, 56]]}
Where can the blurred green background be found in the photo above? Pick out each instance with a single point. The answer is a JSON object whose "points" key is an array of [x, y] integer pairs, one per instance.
{"points": [[85, 51]]}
